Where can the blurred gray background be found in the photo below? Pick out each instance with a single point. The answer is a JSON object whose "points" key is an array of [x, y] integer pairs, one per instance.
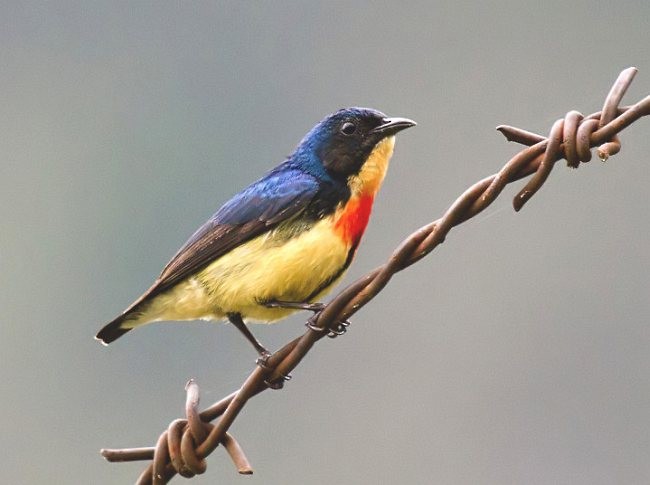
{"points": [[518, 352]]}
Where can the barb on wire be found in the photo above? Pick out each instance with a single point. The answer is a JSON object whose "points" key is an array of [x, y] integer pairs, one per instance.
{"points": [[184, 445]]}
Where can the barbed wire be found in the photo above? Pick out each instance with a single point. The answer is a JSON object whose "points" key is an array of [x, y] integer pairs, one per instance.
{"points": [[184, 445]]}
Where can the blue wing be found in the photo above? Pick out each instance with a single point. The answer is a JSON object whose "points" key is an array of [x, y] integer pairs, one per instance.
{"points": [[279, 196]]}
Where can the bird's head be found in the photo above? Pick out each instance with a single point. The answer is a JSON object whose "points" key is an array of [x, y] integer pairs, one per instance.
{"points": [[354, 145]]}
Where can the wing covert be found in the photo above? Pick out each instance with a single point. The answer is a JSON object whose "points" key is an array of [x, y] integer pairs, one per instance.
{"points": [[271, 200]]}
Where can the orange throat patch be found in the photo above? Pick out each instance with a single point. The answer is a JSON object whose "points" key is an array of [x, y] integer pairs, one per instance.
{"points": [[351, 220]]}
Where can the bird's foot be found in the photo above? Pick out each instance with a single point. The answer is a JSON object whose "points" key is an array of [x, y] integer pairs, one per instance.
{"points": [[339, 329], [263, 362]]}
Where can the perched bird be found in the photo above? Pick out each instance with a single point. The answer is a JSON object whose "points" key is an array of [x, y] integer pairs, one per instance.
{"points": [[282, 242]]}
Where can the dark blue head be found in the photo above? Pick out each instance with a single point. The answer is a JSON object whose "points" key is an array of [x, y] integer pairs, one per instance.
{"points": [[342, 142]]}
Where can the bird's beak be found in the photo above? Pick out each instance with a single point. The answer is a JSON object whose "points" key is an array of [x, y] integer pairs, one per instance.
{"points": [[390, 126]]}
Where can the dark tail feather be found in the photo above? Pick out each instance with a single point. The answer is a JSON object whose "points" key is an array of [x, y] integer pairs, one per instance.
{"points": [[112, 331]]}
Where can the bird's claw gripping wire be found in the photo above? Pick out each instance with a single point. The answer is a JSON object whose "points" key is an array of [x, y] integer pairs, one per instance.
{"points": [[339, 329], [278, 383], [263, 362]]}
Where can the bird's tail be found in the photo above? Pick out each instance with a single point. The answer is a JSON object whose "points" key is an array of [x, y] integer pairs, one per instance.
{"points": [[115, 329]]}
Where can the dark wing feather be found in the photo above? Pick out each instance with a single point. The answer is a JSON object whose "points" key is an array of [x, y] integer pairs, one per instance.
{"points": [[279, 196]]}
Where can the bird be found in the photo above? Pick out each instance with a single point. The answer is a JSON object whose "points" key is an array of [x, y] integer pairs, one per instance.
{"points": [[284, 241]]}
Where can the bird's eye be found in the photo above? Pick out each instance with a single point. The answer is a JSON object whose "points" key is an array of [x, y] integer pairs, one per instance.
{"points": [[348, 128]]}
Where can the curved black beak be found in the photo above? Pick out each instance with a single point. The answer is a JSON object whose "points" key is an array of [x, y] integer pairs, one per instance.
{"points": [[390, 126]]}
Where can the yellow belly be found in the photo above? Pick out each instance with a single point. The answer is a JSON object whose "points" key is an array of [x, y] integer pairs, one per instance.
{"points": [[266, 268]]}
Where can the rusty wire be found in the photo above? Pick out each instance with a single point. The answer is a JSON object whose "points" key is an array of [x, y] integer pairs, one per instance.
{"points": [[184, 445]]}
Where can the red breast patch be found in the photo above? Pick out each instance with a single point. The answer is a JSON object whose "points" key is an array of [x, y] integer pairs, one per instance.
{"points": [[353, 219]]}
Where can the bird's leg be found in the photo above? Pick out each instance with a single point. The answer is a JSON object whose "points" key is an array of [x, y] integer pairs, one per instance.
{"points": [[237, 321], [339, 329], [297, 305]]}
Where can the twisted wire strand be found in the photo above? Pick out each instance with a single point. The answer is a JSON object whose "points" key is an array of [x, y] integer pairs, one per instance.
{"points": [[184, 445]]}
